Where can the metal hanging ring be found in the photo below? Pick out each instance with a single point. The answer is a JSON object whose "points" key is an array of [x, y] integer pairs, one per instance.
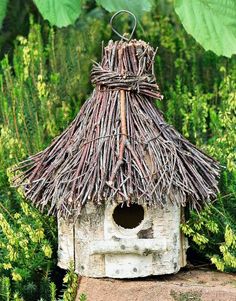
{"points": [[134, 26]]}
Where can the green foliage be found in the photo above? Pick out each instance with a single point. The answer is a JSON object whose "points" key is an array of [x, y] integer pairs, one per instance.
{"points": [[59, 12], [5, 289], [38, 98], [53, 291], [201, 226], [47, 289], [214, 232], [136, 7], [28, 292], [30, 289], [71, 280], [82, 297], [3, 9], [23, 245], [227, 258], [16, 23], [201, 18]]}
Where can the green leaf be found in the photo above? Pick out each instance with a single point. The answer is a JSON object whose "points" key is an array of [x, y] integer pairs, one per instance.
{"points": [[211, 22], [3, 10], [137, 7], [59, 12]]}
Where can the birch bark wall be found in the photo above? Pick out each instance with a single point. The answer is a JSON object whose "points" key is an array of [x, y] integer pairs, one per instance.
{"points": [[101, 248]]}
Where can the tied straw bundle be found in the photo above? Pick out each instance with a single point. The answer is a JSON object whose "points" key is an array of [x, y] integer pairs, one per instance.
{"points": [[119, 148]]}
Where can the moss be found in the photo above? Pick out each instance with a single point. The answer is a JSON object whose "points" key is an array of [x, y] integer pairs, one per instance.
{"points": [[186, 296]]}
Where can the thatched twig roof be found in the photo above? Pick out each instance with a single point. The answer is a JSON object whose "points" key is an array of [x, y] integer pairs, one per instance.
{"points": [[119, 148]]}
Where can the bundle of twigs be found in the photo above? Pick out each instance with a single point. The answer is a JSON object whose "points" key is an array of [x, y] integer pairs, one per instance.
{"points": [[119, 148]]}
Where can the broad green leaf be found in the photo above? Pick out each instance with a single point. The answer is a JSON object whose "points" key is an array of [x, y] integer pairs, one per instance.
{"points": [[59, 12], [3, 10], [211, 22], [137, 7]]}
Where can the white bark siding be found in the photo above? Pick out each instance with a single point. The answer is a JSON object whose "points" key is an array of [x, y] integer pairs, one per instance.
{"points": [[104, 249]]}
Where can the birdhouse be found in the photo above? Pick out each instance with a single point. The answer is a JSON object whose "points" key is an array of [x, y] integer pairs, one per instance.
{"points": [[119, 176]]}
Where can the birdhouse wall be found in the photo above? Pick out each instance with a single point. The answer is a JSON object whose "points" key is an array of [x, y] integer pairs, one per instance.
{"points": [[99, 247]]}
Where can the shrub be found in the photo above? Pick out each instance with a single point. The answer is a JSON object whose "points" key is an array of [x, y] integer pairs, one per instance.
{"points": [[38, 98]]}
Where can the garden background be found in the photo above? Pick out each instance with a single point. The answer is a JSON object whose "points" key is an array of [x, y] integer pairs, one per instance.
{"points": [[44, 80]]}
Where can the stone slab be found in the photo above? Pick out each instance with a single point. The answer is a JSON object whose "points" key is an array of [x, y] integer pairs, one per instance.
{"points": [[192, 285]]}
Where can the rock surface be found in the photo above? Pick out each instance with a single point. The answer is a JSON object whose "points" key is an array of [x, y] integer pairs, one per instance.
{"points": [[190, 285]]}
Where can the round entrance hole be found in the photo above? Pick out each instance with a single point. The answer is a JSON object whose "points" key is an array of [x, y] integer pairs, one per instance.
{"points": [[128, 217]]}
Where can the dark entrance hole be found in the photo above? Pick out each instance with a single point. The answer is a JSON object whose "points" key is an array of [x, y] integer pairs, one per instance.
{"points": [[128, 217]]}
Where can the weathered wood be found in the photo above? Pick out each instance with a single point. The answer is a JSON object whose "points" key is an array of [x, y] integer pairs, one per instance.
{"points": [[104, 249]]}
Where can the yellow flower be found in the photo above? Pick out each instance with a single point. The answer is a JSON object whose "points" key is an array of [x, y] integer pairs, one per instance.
{"points": [[47, 251], [16, 215], [22, 40], [7, 266], [16, 276], [38, 235], [25, 208], [218, 263]]}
